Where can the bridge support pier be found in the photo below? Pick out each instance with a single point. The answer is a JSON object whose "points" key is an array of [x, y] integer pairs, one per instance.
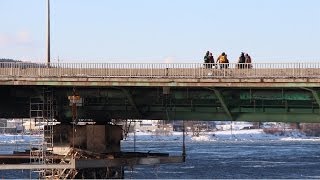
{"points": [[94, 142], [95, 152]]}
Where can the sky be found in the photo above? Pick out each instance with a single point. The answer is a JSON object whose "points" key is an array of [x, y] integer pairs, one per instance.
{"points": [[161, 31]]}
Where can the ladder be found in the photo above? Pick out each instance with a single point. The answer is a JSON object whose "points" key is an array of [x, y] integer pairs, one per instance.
{"points": [[42, 111], [36, 143], [49, 114]]}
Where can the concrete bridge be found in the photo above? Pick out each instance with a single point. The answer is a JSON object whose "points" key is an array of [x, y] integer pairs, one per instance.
{"points": [[102, 92], [266, 92]]}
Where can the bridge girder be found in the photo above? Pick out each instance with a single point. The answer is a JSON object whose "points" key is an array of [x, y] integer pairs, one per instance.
{"points": [[315, 95], [105, 103], [222, 102], [132, 102]]}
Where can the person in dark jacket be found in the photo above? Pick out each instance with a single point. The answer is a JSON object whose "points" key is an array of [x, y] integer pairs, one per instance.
{"points": [[206, 59], [248, 61], [241, 61], [211, 61]]}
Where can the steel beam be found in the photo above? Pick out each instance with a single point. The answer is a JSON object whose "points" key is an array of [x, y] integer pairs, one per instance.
{"points": [[250, 117], [35, 166], [131, 101], [103, 163], [97, 163], [222, 102], [314, 93]]}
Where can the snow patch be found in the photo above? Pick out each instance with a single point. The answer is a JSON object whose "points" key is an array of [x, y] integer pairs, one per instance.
{"points": [[228, 135], [202, 138]]}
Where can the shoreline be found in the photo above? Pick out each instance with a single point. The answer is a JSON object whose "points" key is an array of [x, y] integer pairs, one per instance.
{"points": [[227, 135]]}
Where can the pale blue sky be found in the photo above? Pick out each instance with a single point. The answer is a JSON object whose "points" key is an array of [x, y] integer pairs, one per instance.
{"points": [[161, 31]]}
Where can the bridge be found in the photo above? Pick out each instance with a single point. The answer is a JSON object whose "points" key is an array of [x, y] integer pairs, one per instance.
{"points": [[103, 92], [266, 92]]}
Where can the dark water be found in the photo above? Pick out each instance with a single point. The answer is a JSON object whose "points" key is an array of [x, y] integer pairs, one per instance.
{"points": [[262, 159], [15, 174], [257, 159], [10, 143]]}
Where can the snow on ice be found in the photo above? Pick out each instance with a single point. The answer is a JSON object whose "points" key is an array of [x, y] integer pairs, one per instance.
{"points": [[228, 135]]}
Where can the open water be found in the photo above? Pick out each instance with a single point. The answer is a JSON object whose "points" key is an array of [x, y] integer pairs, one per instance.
{"points": [[214, 159], [233, 159]]}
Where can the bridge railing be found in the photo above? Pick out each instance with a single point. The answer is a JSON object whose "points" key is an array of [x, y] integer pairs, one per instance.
{"points": [[161, 70]]}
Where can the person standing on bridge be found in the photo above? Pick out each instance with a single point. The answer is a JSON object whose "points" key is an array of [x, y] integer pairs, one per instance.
{"points": [[206, 59], [248, 61], [211, 61], [241, 61], [223, 61]]}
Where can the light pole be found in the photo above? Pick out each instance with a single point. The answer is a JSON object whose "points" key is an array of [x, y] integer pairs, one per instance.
{"points": [[48, 33], [3, 127]]}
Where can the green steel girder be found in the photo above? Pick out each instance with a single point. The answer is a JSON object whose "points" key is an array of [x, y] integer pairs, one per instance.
{"points": [[248, 104], [219, 116], [131, 101], [222, 102], [314, 93], [147, 109], [275, 94]]}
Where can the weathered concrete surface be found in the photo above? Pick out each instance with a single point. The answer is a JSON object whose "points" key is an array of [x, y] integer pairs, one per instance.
{"points": [[113, 138], [95, 138], [158, 82], [149, 77]]}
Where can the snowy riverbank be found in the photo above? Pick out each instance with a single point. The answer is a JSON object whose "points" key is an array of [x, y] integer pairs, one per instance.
{"points": [[228, 135], [235, 135], [14, 139]]}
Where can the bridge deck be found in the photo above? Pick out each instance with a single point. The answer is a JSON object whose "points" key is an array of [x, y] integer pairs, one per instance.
{"points": [[267, 92], [162, 82], [192, 75]]}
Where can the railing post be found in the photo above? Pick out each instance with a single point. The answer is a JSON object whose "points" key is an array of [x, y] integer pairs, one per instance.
{"points": [[11, 73], [59, 70], [18, 67], [299, 70], [294, 70], [40, 70], [194, 70]]}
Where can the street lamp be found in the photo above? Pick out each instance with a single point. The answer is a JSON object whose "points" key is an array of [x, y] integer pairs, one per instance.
{"points": [[48, 33], [3, 127]]}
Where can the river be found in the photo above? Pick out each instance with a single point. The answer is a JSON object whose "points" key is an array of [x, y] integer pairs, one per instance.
{"points": [[268, 159], [233, 159]]}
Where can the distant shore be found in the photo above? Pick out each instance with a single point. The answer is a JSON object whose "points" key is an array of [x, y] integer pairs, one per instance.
{"points": [[228, 135]]}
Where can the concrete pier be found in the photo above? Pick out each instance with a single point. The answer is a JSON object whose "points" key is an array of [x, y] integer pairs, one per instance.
{"points": [[86, 151]]}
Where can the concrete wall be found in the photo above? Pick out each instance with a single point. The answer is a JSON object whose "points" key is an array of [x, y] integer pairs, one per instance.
{"points": [[113, 137], [95, 138]]}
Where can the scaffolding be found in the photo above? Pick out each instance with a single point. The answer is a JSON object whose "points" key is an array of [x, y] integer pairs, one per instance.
{"points": [[42, 111]]}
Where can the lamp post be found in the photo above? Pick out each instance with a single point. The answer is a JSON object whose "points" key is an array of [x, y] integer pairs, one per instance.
{"points": [[3, 127], [48, 33]]}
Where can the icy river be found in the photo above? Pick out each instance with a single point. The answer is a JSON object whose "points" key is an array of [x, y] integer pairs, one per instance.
{"points": [[273, 158], [233, 159]]}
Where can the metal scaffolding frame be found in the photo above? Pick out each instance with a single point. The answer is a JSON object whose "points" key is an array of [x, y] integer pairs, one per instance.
{"points": [[42, 110]]}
